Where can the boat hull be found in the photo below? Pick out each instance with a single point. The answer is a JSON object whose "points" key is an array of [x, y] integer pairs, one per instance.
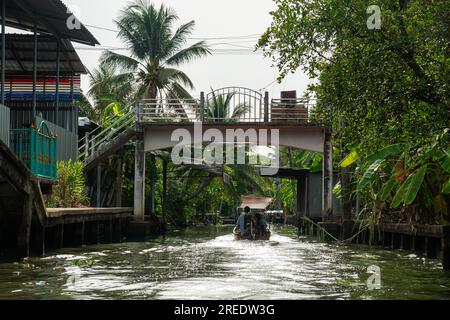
{"points": [[237, 236]]}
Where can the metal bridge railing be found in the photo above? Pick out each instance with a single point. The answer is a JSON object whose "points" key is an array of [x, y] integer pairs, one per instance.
{"points": [[96, 139], [289, 110], [170, 110], [201, 110]]}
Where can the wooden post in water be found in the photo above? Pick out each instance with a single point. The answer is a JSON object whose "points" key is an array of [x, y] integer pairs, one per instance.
{"points": [[59, 236], [432, 244], [92, 232], [396, 241], [23, 241], [79, 234], [108, 231], [117, 230]]}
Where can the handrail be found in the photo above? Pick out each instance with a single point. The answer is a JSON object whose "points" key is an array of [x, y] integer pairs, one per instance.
{"points": [[93, 141]]}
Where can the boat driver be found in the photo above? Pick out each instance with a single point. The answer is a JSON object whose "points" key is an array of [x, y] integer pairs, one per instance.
{"points": [[242, 221]]}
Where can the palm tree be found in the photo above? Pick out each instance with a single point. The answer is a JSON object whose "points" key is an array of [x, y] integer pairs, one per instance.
{"points": [[156, 51], [107, 87], [219, 109]]}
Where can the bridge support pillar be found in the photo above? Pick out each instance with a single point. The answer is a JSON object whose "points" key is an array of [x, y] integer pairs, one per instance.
{"points": [[302, 198], [139, 181]]}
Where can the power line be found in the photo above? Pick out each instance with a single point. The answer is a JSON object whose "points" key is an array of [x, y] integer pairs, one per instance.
{"points": [[240, 50], [267, 86], [255, 35]]}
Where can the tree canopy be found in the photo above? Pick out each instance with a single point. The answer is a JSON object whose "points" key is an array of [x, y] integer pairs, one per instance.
{"points": [[376, 87]]}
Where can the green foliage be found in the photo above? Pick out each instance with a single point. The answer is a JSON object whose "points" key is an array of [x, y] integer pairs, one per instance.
{"points": [[219, 108], [384, 92], [409, 189], [350, 159], [369, 174], [71, 189]]}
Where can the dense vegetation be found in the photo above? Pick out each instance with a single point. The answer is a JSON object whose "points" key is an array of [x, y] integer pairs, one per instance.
{"points": [[384, 91], [71, 189]]}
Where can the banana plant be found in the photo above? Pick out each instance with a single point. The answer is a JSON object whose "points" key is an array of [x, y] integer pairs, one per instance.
{"points": [[399, 173]]}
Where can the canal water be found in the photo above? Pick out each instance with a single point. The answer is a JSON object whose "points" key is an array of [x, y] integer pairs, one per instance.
{"points": [[206, 263]]}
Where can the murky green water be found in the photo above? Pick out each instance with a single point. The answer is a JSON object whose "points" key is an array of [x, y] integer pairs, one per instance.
{"points": [[207, 263]]}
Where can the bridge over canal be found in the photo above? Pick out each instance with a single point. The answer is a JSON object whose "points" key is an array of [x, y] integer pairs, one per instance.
{"points": [[152, 123]]}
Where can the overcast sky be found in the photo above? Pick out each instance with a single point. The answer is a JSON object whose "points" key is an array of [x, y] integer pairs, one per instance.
{"points": [[241, 19]]}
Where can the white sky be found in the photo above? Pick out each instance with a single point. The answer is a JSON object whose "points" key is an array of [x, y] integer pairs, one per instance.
{"points": [[214, 19]]}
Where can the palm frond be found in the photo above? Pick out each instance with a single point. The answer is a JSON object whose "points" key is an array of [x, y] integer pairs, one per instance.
{"points": [[197, 50]]}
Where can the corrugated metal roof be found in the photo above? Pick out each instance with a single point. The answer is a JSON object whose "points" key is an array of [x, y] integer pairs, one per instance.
{"points": [[19, 55], [255, 202], [51, 17]]}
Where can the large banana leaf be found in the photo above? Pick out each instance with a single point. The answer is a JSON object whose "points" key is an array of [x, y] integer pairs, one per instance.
{"points": [[368, 175], [350, 159], [391, 150], [446, 187], [409, 189], [445, 161], [387, 189]]}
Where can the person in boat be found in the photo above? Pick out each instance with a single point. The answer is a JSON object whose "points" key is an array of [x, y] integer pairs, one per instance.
{"points": [[261, 225], [242, 222]]}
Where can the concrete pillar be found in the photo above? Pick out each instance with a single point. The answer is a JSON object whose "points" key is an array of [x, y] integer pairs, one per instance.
{"points": [[23, 240], [139, 181], [153, 178], [301, 199], [327, 181]]}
